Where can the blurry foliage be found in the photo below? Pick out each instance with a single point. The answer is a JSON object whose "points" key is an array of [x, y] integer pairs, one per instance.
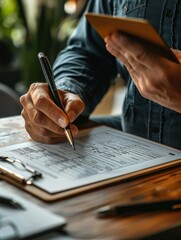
{"points": [[20, 42], [43, 38], [11, 31]]}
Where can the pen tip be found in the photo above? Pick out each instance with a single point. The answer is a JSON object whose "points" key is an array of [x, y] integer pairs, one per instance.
{"points": [[73, 147], [69, 136]]}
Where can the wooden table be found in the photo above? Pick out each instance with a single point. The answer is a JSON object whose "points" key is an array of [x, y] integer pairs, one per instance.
{"points": [[80, 210]]}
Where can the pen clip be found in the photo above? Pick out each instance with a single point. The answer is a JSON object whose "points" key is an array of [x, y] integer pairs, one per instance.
{"points": [[49, 67]]}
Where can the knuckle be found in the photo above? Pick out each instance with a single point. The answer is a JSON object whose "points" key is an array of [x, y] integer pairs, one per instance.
{"points": [[141, 53], [38, 102], [22, 99], [32, 87], [37, 117], [43, 132], [35, 87], [80, 104]]}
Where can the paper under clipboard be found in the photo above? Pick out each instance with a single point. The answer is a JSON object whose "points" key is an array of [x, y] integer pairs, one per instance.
{"points": [[103, 156], [139, 28]]}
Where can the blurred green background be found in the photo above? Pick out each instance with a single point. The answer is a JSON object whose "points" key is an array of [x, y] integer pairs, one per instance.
{"points": [[28, 27]]}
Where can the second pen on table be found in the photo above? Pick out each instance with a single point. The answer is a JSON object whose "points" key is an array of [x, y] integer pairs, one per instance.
{"points": [[140, 207]]}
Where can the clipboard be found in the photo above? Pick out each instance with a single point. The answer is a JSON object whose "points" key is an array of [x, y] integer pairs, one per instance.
{"points": [[27, 221], [37, 192], [140, 29], [30, 183]]}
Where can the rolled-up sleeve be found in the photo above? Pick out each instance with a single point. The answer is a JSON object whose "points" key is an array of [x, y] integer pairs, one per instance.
{"points": [[85, 67]]}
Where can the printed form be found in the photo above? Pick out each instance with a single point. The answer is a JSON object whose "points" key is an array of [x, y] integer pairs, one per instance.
{"points": [[101, 153]]}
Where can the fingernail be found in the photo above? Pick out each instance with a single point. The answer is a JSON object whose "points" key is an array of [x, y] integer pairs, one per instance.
{"points": [[72, 116], [61, 123]]}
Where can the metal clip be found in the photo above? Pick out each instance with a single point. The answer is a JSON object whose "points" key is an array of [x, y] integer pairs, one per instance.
{"points": [[16, 176]]}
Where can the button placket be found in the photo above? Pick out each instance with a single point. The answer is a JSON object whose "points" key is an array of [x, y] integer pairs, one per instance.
{"points": [[169, 13]]}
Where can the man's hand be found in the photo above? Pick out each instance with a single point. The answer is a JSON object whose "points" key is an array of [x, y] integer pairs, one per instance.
{"points": [[156, 78], [44, 121]]}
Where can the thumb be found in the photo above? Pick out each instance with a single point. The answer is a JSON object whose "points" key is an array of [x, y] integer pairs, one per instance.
{"points": [[74, 105]]}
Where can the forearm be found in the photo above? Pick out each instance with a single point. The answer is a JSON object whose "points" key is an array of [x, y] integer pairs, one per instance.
{"points": [[85, 67]]}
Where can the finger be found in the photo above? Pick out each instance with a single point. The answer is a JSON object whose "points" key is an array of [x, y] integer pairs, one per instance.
{"points": [[36, 136], [113, 43], [135, 68], [39, 120], [131, 46], [45, 136], [127, 59], [74, 106], [114, 50], [43, 103]]}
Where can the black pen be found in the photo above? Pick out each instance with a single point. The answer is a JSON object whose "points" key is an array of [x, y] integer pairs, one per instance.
{"points": [[141, 207], [48, 74], [10, 202]]}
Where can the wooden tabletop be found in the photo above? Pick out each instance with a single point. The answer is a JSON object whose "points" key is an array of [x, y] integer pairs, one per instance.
{"points": [[80, 210]]}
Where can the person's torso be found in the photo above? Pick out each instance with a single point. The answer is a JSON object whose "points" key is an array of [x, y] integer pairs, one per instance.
{"points": [[140, 116]]}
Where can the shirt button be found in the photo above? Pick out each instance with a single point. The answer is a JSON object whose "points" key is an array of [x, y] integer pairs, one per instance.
{"points": [[125, 9], [169, 13], [155, 129]]}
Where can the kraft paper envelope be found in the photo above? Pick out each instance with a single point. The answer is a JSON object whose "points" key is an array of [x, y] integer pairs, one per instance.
{"points": [[139, 28]]}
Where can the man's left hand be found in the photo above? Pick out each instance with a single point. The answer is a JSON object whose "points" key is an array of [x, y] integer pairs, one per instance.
{"points": [[157, 78]]}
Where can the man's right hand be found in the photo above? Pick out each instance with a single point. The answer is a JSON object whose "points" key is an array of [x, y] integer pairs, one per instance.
{"points": [[44, 121]]}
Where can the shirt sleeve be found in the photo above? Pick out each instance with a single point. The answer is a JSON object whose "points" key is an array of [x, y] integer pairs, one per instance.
{"points": [[85, 67]]}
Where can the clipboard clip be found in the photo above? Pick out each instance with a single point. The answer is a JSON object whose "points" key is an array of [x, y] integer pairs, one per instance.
{"points": [[21, 166]]}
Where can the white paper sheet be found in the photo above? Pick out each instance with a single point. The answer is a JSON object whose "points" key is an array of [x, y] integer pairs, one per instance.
{"points": [[101, 153]]}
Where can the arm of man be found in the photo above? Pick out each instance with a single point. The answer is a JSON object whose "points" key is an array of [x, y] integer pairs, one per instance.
{"points": [[83, 73]]}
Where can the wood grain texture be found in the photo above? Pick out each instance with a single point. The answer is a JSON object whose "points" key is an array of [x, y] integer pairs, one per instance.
{"points": [[80, 210]]}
